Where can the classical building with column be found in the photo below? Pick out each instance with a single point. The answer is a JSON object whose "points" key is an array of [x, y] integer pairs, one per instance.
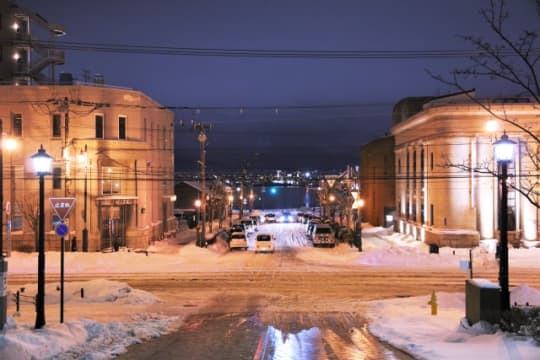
{"points": [[446, 184], [113, 151]]}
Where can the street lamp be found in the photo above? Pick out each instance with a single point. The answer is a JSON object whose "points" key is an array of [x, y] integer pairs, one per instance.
{"points": [[83, 160], [198, 206], [357, 205], [504, 154], [42, 166], [231, 199]]}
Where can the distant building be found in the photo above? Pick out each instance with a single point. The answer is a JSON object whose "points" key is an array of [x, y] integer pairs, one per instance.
{"points": [[113, 150], [27, 46], [446, 205], [377, 179]]}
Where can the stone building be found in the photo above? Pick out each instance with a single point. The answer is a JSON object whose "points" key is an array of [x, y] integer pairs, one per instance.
{"points": [[113, 153], [446, 184], [113, 147], [377, 181]]}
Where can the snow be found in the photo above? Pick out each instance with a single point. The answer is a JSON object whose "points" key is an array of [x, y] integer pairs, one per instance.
{"points": [[107, 320]]}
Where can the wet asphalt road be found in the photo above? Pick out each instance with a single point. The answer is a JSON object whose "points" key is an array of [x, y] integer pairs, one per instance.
{"points": [[282, 336]]}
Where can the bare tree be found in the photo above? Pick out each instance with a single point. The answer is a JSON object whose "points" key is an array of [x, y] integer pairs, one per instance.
{"points": [[513, 60], [30, 211]]}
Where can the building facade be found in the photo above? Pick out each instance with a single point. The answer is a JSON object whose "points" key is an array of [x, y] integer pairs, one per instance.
{"points": [[113, 153], [378, 182], [446, 184]]}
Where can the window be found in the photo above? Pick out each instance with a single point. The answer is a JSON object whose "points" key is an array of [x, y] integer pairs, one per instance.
{"points": [[432, 214], [99, 127], [56, 125], [16, 125], [111, 182], [57, 178], [164, 136], [145, 130], [16, 222], [122, 127]]}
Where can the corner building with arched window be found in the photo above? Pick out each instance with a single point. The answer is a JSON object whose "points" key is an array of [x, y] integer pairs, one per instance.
{"points": [[446, 185], [113, 151]]}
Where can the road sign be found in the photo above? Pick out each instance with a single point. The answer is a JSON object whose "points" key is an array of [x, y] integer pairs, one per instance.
{"points": [[61, 229], [62, 206]]}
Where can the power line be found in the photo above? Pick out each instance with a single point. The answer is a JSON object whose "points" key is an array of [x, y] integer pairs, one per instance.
{"points": [[258, 53]]}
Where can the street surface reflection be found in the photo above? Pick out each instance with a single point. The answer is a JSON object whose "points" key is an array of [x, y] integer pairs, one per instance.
{"points": [[280, 336]]}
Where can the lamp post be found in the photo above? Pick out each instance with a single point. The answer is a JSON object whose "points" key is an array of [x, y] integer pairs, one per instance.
{"points": [[198, 206], [331, 207], [231, 199], [83, 159], [3, 262], [504, 154], [357, 205], [42, 166]]}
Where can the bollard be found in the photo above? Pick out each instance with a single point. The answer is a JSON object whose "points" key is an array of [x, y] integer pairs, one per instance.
{"points": [[433, 303], [17, 300], [82, 293]]}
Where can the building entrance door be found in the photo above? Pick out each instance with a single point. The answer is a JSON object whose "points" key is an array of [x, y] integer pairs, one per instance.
{"points": [[114, 221]]}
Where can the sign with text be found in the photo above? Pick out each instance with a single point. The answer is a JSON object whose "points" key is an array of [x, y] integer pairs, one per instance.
{"points": [[62, 206]]}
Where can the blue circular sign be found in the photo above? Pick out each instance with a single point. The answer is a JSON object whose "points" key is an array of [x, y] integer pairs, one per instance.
{"points": [[61, 229]]}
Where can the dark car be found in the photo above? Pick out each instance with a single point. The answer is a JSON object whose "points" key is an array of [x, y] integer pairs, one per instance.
{"points": [[236, 228]]}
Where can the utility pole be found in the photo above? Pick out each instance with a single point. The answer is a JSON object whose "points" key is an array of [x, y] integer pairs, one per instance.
{"points": [[202, 128], [3, 262]]}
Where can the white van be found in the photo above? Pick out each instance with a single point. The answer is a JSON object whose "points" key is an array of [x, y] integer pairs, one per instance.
{"points": [[264, 243], [238, 241]]}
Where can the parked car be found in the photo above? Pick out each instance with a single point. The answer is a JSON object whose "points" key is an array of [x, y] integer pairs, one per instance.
{"points": [[236, 227], [248, 224], [324, 236], [238, 240], [264, 243], [270, 218]]}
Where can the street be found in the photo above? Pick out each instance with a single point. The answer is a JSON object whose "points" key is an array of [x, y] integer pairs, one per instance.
{"points": [[298, 303]]}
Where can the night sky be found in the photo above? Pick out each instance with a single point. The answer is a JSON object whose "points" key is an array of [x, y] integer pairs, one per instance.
{"points": [[287, 112]]}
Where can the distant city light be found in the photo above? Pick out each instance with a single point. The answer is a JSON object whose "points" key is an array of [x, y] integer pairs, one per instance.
{"points": [[273, 191], [307, 174]]}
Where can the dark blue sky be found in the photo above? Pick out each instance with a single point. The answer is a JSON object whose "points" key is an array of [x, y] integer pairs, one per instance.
{"points": [[317, 135]]}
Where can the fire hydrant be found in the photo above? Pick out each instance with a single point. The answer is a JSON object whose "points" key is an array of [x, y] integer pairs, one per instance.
{"points": [[433, 303]]}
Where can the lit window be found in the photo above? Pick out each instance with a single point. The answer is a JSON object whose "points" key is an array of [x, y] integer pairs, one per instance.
{"points": [[111, 182]]}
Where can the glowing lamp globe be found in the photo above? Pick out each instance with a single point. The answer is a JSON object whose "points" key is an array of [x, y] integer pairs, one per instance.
{"points": [[42, 162], [504, 149]]}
